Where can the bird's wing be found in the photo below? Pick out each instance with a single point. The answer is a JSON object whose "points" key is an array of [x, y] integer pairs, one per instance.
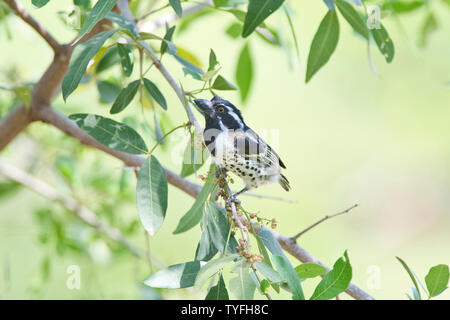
{"points": [[249, 145]]}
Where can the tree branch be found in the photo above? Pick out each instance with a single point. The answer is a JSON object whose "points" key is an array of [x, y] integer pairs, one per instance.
{"points": [[25, 16], [13, 124], [298, 235], [304, 256]]}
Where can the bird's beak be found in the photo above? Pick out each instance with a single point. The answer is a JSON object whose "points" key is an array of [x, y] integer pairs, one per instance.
{"points": [[205, 106]]}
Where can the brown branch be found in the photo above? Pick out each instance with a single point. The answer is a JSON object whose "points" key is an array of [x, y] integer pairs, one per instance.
{"points": [[69, 127], [304, 256], [25, 16], [298, 235], [13, 124]]}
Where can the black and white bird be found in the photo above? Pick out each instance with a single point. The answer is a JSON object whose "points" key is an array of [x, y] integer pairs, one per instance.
{"points": [[237, 148]]}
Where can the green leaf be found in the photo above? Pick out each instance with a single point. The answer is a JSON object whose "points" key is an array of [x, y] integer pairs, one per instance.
{"points": [[336, 281], [267, 272], [223, 84], [124, 24], [402, 6], [437, 279], [323, 44], [176, 276], [212, 60], [258, 11], [205, 249], [329, 4], [429, 25], [151, 193], [125, 96], [242, 286], [168, 37], [79, 61], [176, 6], [352, 17], [155, 93], [195, 213], [270, 242], [114, 135], [108, 91], [411, 275], [97, 13], [211, 268], [39, 3], [244, 72], [219, 291], [126, 58], [220, 3], [109, 59], [193, 159], [288, 274], [217, 225], [234, 30], [188, 65], [310, 270], [264, 286], [384, 43]]}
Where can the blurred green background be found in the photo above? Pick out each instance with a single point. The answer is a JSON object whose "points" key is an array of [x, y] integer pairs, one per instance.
{"points": [[349, 136]]}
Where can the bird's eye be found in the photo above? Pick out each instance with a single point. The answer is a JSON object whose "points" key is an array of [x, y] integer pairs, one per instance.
{"points": [[221, 109]]}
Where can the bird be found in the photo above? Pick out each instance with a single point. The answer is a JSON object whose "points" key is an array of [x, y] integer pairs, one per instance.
{"points": [[237, 148]]}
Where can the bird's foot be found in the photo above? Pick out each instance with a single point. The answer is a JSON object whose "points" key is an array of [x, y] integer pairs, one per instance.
{"points": [[233, 199]]}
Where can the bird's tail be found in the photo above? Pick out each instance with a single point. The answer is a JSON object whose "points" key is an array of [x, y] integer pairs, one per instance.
{"points": [[284, 182]]}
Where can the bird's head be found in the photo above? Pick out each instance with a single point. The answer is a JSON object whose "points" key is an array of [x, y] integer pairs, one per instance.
{"points": [[220, 113]]}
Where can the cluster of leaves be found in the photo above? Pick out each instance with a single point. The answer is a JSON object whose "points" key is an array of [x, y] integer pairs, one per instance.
{"points": [[436, 281]]}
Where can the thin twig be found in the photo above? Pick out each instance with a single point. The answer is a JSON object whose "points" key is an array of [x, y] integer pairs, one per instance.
{"points": [[25, 16], [322, 220], [259, 281]]}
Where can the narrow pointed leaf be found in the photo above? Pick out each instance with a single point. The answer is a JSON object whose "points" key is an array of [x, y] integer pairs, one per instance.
{"points": [[97, 13], [258, 11], [205, 249], [219, 291], [384, 43], [195, 213], [79, 61], [123, 23], [155, 93], [323, 44], [244, 72], [336, 281], [411, 275], [176, 276], [176, 6], [352, 17], [288, 274], [211, 268], [242, 286], [152, 195], [126, 58], [125, 96], [113, 134]]}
